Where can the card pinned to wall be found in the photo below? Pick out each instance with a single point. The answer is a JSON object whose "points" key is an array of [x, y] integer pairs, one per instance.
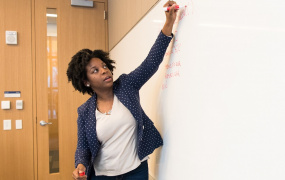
{"points": [[12, 93]]}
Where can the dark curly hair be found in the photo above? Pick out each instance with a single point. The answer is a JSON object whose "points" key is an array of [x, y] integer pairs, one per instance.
{"points": [[76, 71]]}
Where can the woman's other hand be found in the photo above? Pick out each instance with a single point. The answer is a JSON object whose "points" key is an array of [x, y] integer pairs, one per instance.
{"points": [[170, 18], [80, 168]]}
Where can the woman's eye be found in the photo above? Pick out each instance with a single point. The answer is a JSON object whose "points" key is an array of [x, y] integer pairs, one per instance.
{"points": [[95, 70], [105, 66]]}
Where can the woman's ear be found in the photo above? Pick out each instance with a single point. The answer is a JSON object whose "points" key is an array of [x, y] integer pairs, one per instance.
{"points": [[86, 83]]}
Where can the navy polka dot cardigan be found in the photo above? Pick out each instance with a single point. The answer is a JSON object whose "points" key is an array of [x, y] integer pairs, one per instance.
{"points": [[126, 88]]}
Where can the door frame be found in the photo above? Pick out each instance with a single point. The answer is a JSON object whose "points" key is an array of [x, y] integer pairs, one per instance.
{"points": [[36, 120]]}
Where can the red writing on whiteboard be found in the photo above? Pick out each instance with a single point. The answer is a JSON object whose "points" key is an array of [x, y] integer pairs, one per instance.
{"points": [[175, 49], [173, 64], [185, 11], [172, 74], [164, 86], [183, 14]]}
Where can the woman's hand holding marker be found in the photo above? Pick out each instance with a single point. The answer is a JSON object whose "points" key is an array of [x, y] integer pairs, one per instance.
{"points": [[79, 173], [171, 14], [168, 8]]}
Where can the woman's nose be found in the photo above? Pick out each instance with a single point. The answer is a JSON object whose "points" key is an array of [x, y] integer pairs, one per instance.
{"points": [[104, 71]]}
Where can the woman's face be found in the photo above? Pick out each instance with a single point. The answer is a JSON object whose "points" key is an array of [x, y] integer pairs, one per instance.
{"points": [[98, 75]]}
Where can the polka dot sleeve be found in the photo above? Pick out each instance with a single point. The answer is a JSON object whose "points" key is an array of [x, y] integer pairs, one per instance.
{"points": [[82, 154], [150, 65]]}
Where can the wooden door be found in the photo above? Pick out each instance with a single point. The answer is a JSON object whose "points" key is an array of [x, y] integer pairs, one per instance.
{"points": [[56, 100]]}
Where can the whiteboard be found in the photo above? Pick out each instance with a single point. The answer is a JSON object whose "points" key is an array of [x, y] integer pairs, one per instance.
{"points": [[218, 98]]}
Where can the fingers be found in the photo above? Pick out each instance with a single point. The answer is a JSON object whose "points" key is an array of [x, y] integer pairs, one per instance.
{"points": [[82, 177], [169, 3], [172, 5], [172, 9], [79, 177], [76, 175], [81, 168]]}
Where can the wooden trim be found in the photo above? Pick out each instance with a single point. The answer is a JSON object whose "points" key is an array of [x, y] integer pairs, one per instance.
{"points": [[122, 21], [106, 27], [34, 97]]}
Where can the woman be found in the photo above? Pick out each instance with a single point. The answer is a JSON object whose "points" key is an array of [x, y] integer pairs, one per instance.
{"points": [[115, 136]]}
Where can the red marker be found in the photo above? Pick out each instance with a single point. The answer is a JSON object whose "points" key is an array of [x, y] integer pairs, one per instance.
{"points": [[82, 173], [168, 8]]}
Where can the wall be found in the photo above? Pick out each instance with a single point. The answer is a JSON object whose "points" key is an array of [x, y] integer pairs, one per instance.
{"points": [[16, 74], [23, 68], [123, 15], [16, 152]]}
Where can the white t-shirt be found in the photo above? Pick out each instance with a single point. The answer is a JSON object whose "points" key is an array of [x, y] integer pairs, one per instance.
{"points": [[117, 133]]}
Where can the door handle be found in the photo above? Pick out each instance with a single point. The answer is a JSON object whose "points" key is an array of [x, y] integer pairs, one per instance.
{"points": [[43, 123]]}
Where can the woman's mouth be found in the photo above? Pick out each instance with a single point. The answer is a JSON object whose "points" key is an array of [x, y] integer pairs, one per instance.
{"points": [[108, 78]]}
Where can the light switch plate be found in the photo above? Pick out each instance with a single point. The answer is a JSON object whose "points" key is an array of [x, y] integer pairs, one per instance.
{"points": [[5, 104], [7, 124], [19, 124], [11, 37], [19, 104]]}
